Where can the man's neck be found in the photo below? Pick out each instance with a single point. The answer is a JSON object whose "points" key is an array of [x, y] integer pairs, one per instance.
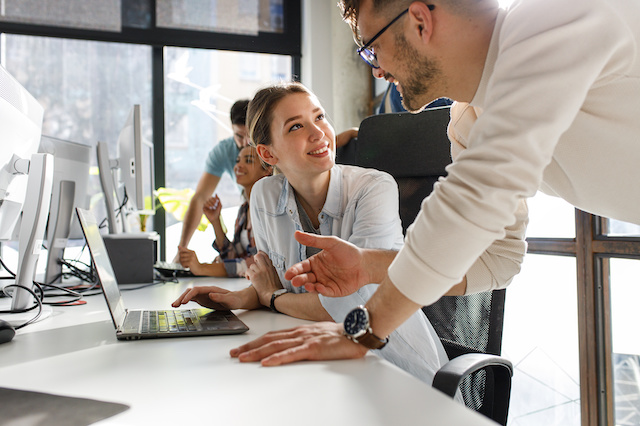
{"points": [[465, 60]]}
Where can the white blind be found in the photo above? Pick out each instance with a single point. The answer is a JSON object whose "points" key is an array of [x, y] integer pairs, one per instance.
{"points": [[86, 14], [226, 16]]}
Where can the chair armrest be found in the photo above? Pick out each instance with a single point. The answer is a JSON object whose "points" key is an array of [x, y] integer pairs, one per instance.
{"points": [[449, 377]]}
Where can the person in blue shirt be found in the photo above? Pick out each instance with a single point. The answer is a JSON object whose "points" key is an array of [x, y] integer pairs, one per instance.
{"points": [[311, 193], [236, 255], [221, 159], [392, 101]]}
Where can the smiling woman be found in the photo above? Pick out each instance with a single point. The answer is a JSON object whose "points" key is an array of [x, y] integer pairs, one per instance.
{"points": [[235, 256], [289, 127]]}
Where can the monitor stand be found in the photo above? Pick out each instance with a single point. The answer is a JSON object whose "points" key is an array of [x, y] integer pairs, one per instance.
{"points": [[59, 235], [35, 213]]}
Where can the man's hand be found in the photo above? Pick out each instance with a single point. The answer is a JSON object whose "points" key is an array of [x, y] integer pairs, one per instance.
{"points": [[345, 137], [338, 270], [313, 342]]}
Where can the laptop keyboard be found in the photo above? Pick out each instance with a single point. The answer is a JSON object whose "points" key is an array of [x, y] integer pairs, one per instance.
{"points": [[169, 321]]}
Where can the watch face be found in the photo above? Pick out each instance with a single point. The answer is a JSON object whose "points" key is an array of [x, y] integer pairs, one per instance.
{"points": [[356, 321]]}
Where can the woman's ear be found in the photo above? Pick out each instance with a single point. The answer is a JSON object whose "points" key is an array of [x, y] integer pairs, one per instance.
{"points": [[264, 151]]}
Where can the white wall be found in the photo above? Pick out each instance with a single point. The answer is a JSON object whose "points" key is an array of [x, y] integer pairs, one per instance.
{"points": [[330, 66]]}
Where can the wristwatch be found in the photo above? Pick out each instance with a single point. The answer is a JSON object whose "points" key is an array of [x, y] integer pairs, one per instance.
{"points": [[274, 296], [357, 328]]}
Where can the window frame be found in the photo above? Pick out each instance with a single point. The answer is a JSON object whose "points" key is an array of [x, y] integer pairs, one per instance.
{"points": [[592, 248]]}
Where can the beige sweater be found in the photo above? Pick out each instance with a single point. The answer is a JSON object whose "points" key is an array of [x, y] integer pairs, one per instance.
{"points": [[560, 101]]}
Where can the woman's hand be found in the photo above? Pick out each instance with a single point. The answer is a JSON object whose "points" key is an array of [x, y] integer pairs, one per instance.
{"points": [[219, 298], [212, 208], [188, 259], [263, 277]]}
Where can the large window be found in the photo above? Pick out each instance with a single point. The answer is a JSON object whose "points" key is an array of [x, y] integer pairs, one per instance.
{"points": [[184, 62], [86, 88], [606, 284], [540, 332], [200, 87]]}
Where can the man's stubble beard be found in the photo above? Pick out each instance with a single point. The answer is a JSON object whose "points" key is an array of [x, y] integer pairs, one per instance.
{"points": [[422, 73]]}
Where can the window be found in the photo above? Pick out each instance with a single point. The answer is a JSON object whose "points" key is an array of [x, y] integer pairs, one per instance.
{"points": [[200, 87], [86, 88], [606, 254], [89, 61]]}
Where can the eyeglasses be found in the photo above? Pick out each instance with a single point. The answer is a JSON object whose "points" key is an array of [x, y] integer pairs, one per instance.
{"points": [[367, 54]]}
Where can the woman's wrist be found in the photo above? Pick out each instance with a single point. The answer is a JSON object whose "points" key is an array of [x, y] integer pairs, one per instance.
{"points": [[252, 299], [265, 296]]}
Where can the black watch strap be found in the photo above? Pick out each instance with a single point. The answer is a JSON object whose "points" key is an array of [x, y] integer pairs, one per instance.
{"points": [[274, 296]]}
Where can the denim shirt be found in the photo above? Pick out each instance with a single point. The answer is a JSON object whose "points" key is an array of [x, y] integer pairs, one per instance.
{"points": [[362, 208], [369, 195]]}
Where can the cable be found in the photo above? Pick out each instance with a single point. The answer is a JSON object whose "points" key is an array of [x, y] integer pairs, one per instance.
{"points": [[125, 200], [19, 311], [7, 269]]}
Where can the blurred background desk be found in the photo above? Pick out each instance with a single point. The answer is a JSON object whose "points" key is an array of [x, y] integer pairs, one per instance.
{"points": [[75, 353]]}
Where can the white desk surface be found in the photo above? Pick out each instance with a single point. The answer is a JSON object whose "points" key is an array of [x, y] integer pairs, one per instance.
{"points": [[74, 352]]}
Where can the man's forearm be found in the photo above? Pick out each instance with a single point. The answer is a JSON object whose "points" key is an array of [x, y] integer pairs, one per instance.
{"points": [[389, 308], [377, 262], [191, 221]]}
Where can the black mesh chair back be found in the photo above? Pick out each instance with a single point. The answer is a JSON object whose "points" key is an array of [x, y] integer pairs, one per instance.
{"points": [[471, 324], [415, 150]]}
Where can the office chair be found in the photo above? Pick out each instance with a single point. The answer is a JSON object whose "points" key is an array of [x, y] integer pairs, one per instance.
{"points": [[415, 150]]}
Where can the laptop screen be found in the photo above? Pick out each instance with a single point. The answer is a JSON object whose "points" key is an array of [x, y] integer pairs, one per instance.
{"points": [[100, 257]]}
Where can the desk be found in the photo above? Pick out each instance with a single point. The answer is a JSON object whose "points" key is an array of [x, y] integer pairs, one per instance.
{"points": [[74, 352]]}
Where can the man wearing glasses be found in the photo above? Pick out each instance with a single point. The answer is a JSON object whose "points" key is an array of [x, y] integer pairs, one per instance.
{"points": [[548, 97]]}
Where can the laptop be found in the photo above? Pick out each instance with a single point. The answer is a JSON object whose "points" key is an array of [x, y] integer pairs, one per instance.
{"points": [[139, 324]]}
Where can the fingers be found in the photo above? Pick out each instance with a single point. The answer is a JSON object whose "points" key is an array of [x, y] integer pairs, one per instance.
{"points": [[321, 289], [298, 272], [178, 301], [187, 258], [194, 292], [212, 203], [221, 301], [261, 259], [310, 239], [185, 297], [263, 340], [316, 342], [276, 353]]}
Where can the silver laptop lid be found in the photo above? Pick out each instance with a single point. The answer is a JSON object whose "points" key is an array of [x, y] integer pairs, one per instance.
{"points": [[106, 275]]}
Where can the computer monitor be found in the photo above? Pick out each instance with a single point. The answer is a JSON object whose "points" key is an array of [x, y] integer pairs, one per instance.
{"points": [[71, 175], [135, 156], [26, 179], [129, 176]]}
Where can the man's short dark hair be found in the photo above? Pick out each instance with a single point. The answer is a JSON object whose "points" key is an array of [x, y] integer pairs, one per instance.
{"points": [[239, 112]]}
